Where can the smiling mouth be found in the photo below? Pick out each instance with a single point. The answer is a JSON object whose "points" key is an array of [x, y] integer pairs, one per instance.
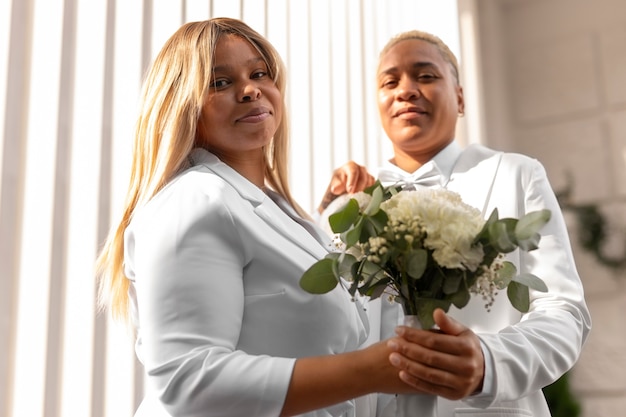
{"points": [[410, 112], [255, 116]]}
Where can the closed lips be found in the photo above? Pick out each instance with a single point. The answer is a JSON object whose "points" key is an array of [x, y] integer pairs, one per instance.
{"points": [[255, 114], [410, 110]]}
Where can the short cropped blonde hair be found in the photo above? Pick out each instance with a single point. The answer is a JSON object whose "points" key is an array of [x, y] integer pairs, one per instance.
{"points": [[443, 49]]}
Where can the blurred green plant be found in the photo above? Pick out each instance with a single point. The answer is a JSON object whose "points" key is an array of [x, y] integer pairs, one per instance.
{"points": [[592, 228], [561, 401]]}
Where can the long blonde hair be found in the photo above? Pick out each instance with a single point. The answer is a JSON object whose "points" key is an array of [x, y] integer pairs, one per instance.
{"points": [[172, 97]]}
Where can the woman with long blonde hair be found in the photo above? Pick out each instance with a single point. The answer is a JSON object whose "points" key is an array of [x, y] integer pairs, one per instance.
{"points": [[206, 260]]}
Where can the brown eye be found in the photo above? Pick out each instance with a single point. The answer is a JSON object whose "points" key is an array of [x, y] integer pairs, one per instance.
{"points": [[426, 77], [219, 83], [259, 74]]}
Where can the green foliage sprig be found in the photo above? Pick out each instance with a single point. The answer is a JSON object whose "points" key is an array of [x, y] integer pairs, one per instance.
{"points": [[396, 255]]}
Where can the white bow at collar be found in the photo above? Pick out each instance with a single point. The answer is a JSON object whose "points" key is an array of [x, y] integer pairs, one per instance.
{"points": [[428, 175]]}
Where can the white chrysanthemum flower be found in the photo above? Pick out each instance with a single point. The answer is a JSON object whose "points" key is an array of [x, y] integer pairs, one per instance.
{"points": [[450, 224]]}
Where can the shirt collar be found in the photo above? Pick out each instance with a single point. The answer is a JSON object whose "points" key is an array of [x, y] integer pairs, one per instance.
{"points": [[445, 161]]}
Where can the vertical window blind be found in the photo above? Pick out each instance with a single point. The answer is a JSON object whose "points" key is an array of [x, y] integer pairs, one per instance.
{"points": [[70, 73]]}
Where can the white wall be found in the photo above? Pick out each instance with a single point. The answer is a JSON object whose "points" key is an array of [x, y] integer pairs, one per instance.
{"points": [[554, 76]]}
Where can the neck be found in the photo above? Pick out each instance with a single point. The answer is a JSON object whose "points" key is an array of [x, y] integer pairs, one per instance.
{"points": [[252, 167], [410, 161]]}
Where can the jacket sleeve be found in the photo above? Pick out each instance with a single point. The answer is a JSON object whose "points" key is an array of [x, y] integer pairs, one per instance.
{"points": [[186, 257], [548, 340]]}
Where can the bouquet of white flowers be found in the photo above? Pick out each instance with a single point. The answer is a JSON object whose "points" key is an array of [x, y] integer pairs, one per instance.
{"points": [[425, 249]]}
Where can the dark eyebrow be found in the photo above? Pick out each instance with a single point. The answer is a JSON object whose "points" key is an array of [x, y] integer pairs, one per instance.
{"points": [[226, 68], [416, 65]]}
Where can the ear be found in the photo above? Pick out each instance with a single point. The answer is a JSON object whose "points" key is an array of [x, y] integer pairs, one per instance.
{"points": [[460, 99]]}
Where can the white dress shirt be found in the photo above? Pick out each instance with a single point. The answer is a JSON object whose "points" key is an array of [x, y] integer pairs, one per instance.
{"points": [[523, 351]]}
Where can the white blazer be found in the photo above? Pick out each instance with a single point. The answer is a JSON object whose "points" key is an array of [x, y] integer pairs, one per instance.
{"points": [[215, 265], [525, 351]]}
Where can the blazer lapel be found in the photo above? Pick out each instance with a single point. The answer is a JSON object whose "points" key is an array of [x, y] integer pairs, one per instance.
{"points": [[297, 230], [274, 211]]}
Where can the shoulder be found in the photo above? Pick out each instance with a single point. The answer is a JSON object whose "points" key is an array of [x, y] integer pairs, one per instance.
{"points": [[525, 166], [194, 195], [476, 153], [193, 217], [524, 171]]}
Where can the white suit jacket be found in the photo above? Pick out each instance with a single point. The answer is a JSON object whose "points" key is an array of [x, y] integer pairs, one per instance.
{"points": [[525, 351], [215, 265]]}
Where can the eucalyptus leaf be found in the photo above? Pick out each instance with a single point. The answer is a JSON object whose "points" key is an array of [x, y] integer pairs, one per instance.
{"points": [[374, 204], [436, 284], [452, 282], [484, 232], [505, 275], [369, 190], [371, 272], [460, 298], [501, 235], [344, 267], [416, 263], [379, 221], [319, 278], [334, 256], [353, 235], [531, 281], [342, 219], [518, 296], [376, 290], [527, 229], [531, 223], [369, 228], [530, 243]]}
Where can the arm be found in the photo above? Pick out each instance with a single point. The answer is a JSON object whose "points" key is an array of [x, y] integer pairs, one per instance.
{"points": [[548, 340], [187, 261], [318, 382]]}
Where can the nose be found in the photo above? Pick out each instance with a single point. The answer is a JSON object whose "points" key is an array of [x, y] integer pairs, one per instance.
{"points": [[250, 92], [408, 89]]}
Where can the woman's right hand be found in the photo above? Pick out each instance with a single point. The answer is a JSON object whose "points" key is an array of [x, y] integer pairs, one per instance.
{"points": [[383, 373]]}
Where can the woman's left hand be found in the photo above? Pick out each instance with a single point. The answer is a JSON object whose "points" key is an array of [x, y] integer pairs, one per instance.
{"points": [[448, 362]]}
